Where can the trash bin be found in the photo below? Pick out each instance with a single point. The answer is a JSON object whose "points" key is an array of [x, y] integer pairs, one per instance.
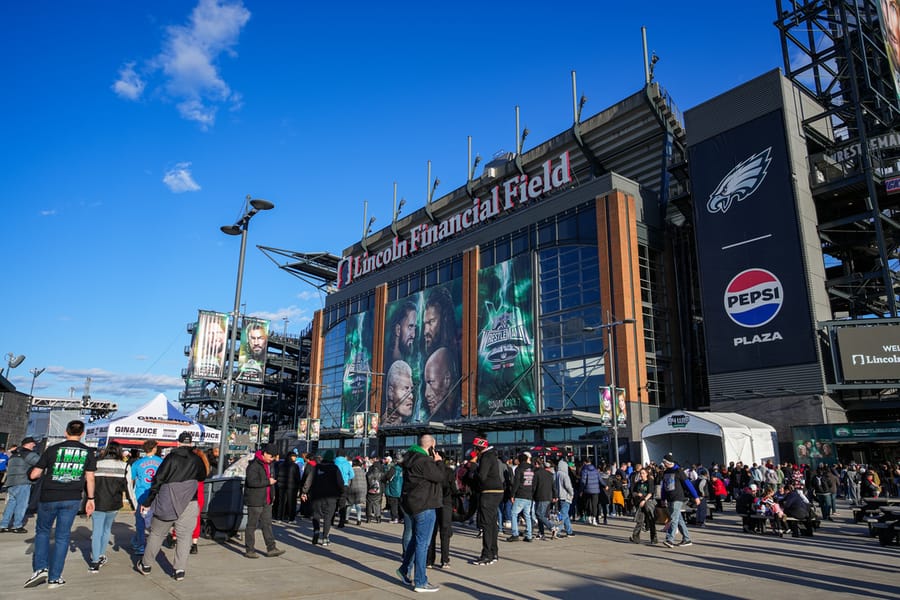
{"points": [[223, 512]]}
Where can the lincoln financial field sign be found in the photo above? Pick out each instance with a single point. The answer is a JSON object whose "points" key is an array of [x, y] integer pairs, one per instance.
{"points": [[870, 353]]}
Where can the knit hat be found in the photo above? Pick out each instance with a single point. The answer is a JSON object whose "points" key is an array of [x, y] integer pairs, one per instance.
{"points": [[328, 456], [270, 449], [185, 437], [668, 459]]}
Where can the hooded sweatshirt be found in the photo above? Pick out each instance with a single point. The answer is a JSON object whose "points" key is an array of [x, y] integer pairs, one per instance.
{"points": [[563, 483]]}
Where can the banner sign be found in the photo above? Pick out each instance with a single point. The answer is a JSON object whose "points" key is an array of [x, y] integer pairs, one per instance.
{"points": [[621, 408], [358, 375], [505, 338], [606, 406], [753, 284], [870, 352], [208, 346], [254, 345], [422, 382]]}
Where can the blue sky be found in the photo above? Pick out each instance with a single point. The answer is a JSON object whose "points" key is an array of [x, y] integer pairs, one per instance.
{"points": [[134, 130]]}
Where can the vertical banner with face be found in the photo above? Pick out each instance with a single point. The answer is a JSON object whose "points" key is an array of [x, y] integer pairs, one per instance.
{"points": [[752, 276], [315, 426], [505, 344], [372, 425], [889, 13], [621, 408], [606, 405], [357, 367], [254, 433], [422, 356], [252, 357], [208, 346], [359, 424], [303, 429]]}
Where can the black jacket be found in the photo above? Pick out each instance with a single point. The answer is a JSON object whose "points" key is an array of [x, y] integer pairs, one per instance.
{"points": [[181, 464], [543, 485], [523, 482], [488, 476], [422, 479], [257, 489], [324, 481], [288, 475]]}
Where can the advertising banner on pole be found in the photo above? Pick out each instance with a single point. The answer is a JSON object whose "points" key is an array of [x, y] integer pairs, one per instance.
{"points": [[357, 367], [621, 408], [252, 357], [606, 405], [208, 346], [315, 426]]}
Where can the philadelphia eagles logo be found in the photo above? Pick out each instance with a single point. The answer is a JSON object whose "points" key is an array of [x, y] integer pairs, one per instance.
{"points": [[740, 182]]}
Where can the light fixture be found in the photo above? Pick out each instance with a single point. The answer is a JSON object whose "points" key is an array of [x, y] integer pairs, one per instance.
{"points": [[13, 361], [239, 228]]}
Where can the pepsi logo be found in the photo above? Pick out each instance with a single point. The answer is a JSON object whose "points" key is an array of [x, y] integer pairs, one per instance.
{"points": [[753, 298]]}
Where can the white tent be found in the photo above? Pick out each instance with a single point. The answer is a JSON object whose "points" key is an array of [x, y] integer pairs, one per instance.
{"points": [[156, 420], [707, 437]]}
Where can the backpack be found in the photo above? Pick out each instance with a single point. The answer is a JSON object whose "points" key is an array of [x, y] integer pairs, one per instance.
{"points": [[373, 480]]}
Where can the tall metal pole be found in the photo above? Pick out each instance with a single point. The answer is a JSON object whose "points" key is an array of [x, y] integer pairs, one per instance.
{"points": [[611, 380], [229, 379]]}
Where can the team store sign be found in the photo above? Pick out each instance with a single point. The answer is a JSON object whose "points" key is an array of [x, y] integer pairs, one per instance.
{"points": [[503, 197]]}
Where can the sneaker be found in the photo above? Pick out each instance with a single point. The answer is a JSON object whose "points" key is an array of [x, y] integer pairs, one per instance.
{"points": [[326, 541], [528, 539], [274, 552], [4, 529], [404, 577], [512, 538], [179, 575], [103, 560], [142, 568], [554, 533], [654, 542], [481, 562], [493, 560], [445, 566], [426, 588], [686, 543], [634, 540], [251, 554], [37, 579], [52, 585], [668, 544], [93, 567], [194, 549], [315, 538], [18, 530]]}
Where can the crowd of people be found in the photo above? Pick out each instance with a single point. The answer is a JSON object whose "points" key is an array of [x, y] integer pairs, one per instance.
{"points": [[522, 498]]}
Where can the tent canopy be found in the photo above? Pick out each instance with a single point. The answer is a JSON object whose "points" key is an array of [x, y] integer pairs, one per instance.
{"points": [[707, 437], [157, 420]]}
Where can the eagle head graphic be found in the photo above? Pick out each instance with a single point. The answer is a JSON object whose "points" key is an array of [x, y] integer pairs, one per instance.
{"points": [[740, 182]]}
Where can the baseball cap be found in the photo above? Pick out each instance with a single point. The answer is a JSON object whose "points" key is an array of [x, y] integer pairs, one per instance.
{"points": [[185, 437], [480, 442], [28, 440]]}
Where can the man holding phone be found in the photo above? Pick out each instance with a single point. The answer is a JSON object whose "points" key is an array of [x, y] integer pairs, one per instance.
{"points": [[423, 473]]}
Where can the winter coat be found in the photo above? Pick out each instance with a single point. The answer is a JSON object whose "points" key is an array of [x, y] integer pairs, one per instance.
{"points": [[358, 486], [393, 477], [422, 480], [543, 486], [257, 488], [590, 479], [110, 484], [563, 483], [324, 481]]}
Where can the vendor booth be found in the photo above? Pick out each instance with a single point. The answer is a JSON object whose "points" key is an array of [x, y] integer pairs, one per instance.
{"points": [[157, 420], [707, 437]]}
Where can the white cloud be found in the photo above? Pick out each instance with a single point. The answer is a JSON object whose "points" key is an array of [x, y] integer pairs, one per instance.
{"points": [[129, 85], [307, 295], [179, 179], [188, 62], [48, 212], [295, 315], [107, 385]]}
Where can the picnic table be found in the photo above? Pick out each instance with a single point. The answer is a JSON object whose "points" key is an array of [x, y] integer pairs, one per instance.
{"points": [[871, 508], [887, 526]]}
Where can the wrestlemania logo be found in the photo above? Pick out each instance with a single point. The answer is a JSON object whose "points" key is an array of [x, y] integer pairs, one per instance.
{"points": [[740, 183]]}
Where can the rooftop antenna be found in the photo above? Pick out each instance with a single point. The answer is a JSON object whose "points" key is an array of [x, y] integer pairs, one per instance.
{"points": [[367, 226], [577, 104], [429, 189], [520, 142], [397, 209], [649, 60], [470, 168]]}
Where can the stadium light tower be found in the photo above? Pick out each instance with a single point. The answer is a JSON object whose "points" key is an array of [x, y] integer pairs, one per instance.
{"points": [[239, 228]]}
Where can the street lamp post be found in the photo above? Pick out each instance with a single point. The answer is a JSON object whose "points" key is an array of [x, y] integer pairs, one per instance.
{"points": [[611, 374], [35, 373], [239, 228]]}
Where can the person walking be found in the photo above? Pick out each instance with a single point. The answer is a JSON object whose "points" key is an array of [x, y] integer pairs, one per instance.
{"points": [[675, 490], [109, 486], [66, 471], [424, 473], [393, 487], [644, 507], [374, 491], [18, 486], [523, 497], [565, 491], [489, 485], [142, 472], [258, 496], [324, 486], [544, 497], [288, 487], [173, 496]]}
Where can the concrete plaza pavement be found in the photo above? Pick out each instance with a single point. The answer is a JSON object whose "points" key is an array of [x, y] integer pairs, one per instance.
{"points": [[599, 561]]}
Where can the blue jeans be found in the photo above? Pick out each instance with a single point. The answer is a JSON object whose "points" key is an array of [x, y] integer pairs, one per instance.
{"points": [[416, 553], [521, 505], [676, 522], [540, 510], [139, 539], [16, 505], [102, 522], [564, 518], [63, 514]]}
